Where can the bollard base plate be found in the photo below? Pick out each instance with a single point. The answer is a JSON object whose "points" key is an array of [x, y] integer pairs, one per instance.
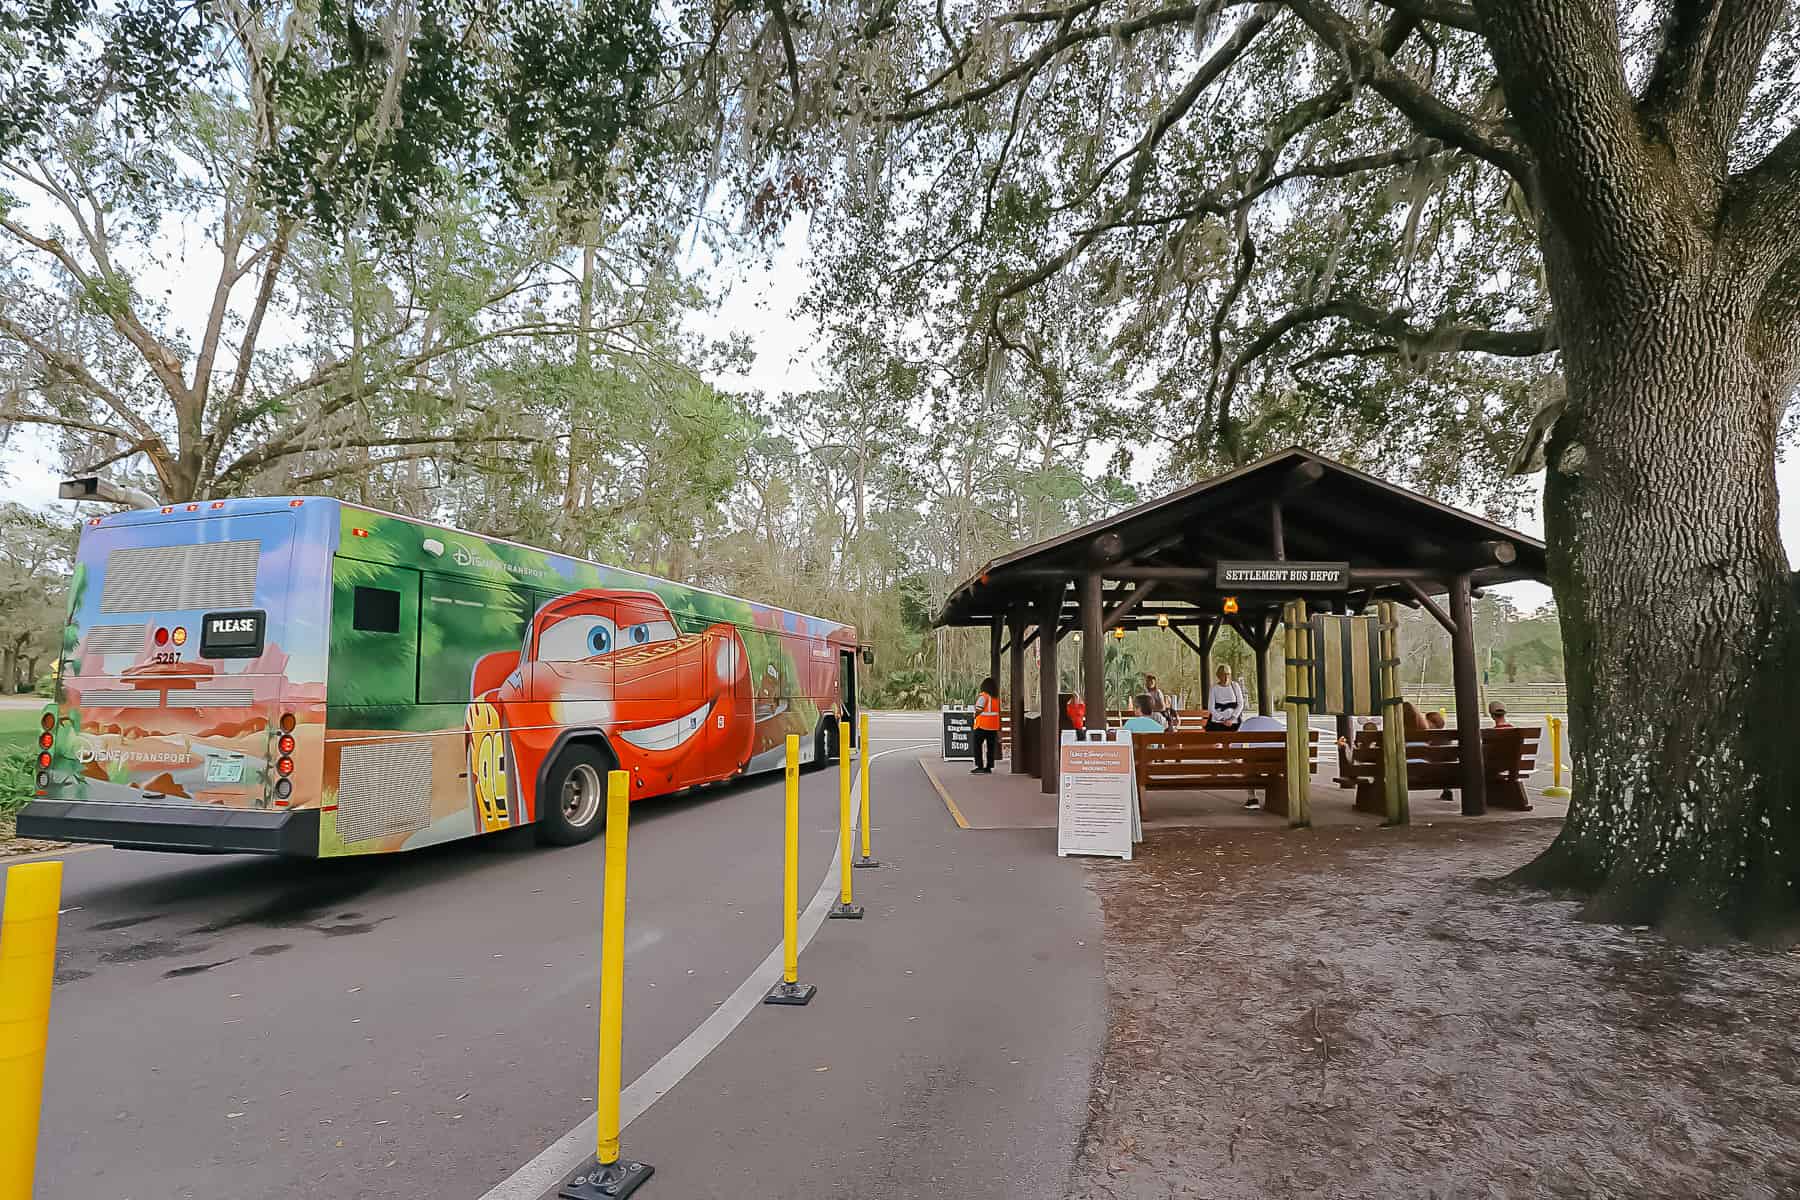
{"points": [[790, 993], [1557, 793], [845, 912], [866, 861], [613, 1181]]}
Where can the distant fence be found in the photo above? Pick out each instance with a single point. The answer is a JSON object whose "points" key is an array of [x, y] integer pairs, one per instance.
{"points": [[1520, 699]]}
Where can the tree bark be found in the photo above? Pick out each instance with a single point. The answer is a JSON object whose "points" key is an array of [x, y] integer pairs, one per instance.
{"points": [[1677, 605]]}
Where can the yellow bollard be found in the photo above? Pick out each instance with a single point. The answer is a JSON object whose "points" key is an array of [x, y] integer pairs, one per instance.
{"points": [[790, 990], [1556, 787], [27, 966], [844, 909], [609, 1177], [862, 759]]}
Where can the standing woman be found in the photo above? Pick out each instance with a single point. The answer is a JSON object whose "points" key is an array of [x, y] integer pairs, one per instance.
{"points": [[1225, 705], [987, 726]]}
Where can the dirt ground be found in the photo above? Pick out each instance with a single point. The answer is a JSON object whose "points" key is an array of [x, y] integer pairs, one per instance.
{"points": [[1350, 1013]]}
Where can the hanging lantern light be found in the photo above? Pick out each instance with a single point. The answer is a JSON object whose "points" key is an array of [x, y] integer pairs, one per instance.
{"points": [[1231, 606], [1118, 633], [1162, 620]]}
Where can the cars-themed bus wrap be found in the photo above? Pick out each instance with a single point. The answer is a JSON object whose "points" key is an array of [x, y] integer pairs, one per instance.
{"points": [[309, 677]]}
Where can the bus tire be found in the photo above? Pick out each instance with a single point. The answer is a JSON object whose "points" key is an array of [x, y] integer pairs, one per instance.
{"points": [[825, 742], [572, 806]]}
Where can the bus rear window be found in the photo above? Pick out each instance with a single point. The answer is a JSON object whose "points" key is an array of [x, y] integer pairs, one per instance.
{"points": [[376, 610]]}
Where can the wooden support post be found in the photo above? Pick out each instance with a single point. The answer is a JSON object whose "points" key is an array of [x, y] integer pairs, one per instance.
{"points": [[1468, 698], [1049, 711], [995, 632], [1295, 638], [1015, 758], [1264, 705], [1393, 720], [1093, 651], [1346, 729], [1208, 636]]}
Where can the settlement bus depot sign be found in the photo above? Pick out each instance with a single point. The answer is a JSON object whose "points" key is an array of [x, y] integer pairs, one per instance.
{"points": [[1286, 576]]}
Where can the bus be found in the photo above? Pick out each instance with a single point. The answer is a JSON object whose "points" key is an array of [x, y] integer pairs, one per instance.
{"points": [[304, 676]]}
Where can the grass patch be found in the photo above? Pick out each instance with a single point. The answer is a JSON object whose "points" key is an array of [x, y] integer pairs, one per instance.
{"points": [[18, 728], [18, 738]]}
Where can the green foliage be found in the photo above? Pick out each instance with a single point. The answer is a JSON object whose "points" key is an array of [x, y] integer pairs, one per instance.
{"points": [[17, 781]]}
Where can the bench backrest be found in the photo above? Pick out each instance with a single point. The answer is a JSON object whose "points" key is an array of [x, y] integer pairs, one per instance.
{"points": [[1185, 759], [1434, 756]]}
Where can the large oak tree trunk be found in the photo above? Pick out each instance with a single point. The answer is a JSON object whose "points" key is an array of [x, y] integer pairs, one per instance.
{"points": [[1678, 608]]}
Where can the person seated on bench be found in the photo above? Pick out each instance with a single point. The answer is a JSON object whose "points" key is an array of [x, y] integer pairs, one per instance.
{"points": [[1146, 719], [1225, 704], [1497, 711], [1435, 720], [1259, 724]]}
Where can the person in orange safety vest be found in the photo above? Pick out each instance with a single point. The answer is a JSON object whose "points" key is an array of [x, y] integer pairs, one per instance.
{"points": [[987, 727]]}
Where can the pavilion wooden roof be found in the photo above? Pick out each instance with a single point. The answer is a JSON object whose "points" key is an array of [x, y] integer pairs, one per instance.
{"points": [[1294, 505]]}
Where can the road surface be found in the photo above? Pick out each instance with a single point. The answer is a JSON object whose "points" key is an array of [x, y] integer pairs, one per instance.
{"points": [[423, 1024]]}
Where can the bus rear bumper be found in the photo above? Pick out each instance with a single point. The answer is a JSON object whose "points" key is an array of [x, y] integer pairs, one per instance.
{"points": [[207, 830]]}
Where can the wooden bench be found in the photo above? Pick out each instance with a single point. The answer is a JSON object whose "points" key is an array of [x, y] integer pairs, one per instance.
{"points": [[1212, 761], [1434, 764]]}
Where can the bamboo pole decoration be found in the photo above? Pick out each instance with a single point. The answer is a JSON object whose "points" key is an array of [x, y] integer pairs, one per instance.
{"points": [[1393, 724], [1299, 691], [1298, 778]]}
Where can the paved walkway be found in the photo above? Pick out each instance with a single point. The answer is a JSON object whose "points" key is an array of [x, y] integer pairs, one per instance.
{"points": [[1006, 801]]}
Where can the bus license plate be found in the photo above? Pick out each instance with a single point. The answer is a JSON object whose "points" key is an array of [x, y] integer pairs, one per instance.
{"points": [[224, 770]]}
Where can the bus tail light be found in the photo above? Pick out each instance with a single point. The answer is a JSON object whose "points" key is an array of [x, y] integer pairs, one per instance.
{"points": [[285, 743], [47, 722], [285, 765], [46, 739], [287, 722], [283, 789], [43, 760]]}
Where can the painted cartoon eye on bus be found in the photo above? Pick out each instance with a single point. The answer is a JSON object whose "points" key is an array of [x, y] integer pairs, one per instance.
{"points": [[676, 707]]}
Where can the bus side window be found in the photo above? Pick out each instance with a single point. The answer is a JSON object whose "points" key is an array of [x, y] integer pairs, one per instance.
{"points": [[376, 610]]}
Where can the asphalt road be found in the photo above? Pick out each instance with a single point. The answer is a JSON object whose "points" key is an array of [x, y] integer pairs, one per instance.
{"points": [[423, 1024]]}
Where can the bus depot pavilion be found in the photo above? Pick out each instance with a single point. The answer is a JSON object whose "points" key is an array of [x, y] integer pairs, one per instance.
{"points": [[1261, 549]]}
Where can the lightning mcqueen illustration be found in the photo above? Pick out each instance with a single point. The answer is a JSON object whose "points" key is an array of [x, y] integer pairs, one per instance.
{"points": [[605, 680]]}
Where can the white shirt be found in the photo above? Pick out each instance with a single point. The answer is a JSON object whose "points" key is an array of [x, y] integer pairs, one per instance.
{"points": [[1227, 701], [1260, 724]]}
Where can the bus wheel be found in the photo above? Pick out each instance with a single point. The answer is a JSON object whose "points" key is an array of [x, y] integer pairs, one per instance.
{"points": [[825, 742], [572, 807]]}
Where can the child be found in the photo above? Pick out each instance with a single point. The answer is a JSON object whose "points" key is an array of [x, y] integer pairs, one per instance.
{"points": [[1435, 720]]}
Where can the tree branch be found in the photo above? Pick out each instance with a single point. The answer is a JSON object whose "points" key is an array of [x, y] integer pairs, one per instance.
{"points": [[1440, 339], [1445, 12], [1563, 73], [1706, 65], [16, 416], [1762, 204], [75, 369], [258, 460], [1369, 64]]}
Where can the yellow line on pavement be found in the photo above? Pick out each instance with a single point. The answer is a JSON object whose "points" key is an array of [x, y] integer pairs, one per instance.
{"points": [[961, 821]]}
